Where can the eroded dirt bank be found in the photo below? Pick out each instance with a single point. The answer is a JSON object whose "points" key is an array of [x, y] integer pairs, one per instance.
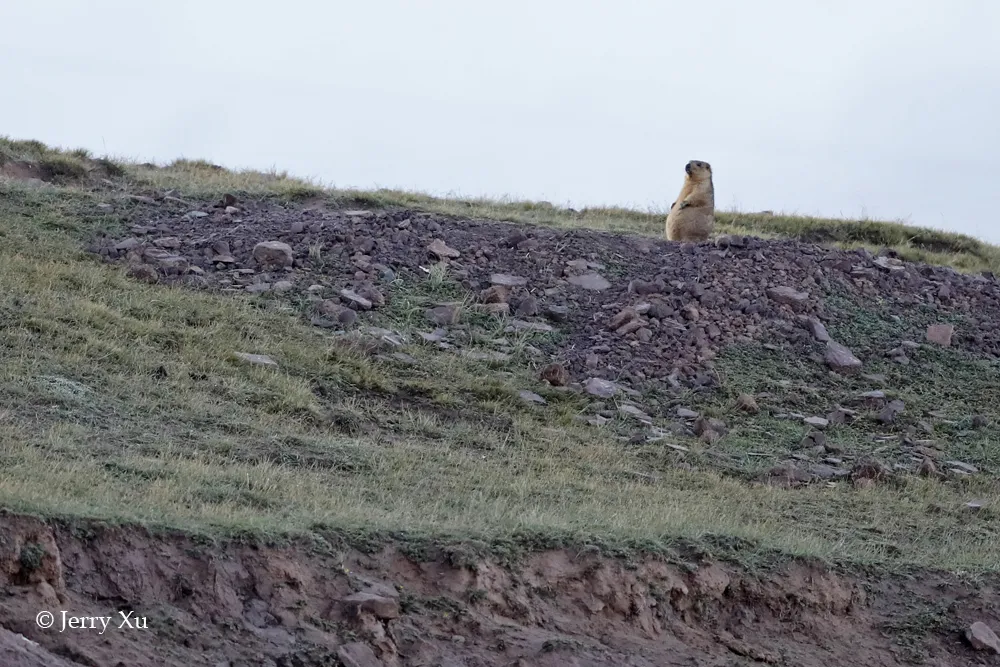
{"points": [[323, 603]]}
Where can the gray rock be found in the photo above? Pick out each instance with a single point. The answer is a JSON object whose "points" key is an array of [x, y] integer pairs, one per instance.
{"points": [[590, 281], [508, 280], [817, 422], [788, 296], [358, 654], [841, 359], [817, 329], [600, 388], [256, 359], [273, 254], [353, 297], [982, 638], [442, 250], [940, 334], [531, 397]]}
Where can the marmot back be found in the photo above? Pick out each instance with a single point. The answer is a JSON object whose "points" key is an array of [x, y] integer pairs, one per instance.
{"points": [[692, 215]]}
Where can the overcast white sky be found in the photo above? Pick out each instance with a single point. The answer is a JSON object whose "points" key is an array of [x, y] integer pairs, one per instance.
{"points": [[888, 108]]}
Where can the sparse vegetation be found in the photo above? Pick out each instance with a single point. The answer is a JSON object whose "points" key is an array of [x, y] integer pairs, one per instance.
{"points": [[121, 400]]}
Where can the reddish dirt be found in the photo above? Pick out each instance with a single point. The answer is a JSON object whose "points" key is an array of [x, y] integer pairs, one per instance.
{"points": [[249, 604], [667, 309]]}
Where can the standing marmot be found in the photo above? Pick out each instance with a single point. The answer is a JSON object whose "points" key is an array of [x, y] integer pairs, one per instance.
{"points": [[692, 216]]}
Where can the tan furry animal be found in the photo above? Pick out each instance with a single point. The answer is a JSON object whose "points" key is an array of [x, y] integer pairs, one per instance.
{"points": [[692, 216]]}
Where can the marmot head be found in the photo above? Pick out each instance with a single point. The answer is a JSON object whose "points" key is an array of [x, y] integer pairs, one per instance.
{"points": [[698, 170]]}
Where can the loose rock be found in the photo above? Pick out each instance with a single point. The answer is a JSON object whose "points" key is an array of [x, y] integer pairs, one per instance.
{"points": [[940, 334], [982, 638], [841, 359], [273, 254]]}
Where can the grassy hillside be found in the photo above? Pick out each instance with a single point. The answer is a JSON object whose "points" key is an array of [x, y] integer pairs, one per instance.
{"points": [[124, 401]]}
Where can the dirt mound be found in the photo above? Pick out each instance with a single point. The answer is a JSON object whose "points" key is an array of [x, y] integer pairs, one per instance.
{"points": [[634, 310], [175, 600]]}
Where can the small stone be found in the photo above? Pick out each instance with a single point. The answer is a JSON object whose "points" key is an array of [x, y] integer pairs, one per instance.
{"points": [[524, 325], [814, 439], [283, 286], [597, 420], [171, 242], [435, 336], [839, 416], [590, 281], [258, 288], [372, 294], [166, 260], [557, 313], [940, 334], [685, 413], [827, 472], [256, 359], [273, 254], [556, 375], [644, 335], [128, 244], [817, 422], [357, 654], [817, 329], [501, 309], [441, 249], [644, 288], [632, 411], [982, 638], [788, 296], [381, 607], [297, 227], [600, 388], [979, 421], [891, 411], [528, 307], [194, 215], [787, 475], [841, 359], [356, 299], [508, 280], [232, 210], [443, 315], [966, 468], [531, 397], [747, 403]]}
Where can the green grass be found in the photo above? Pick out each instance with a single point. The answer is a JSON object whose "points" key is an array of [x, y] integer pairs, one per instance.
{"points": [[123, 401]]}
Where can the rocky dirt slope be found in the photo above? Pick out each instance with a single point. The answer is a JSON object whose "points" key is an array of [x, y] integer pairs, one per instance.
{"points": [[324, 603], [629, 309], [600, 314]]}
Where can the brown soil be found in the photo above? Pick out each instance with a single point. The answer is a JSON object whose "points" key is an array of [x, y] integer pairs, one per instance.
{"points": [[251, 604]]}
